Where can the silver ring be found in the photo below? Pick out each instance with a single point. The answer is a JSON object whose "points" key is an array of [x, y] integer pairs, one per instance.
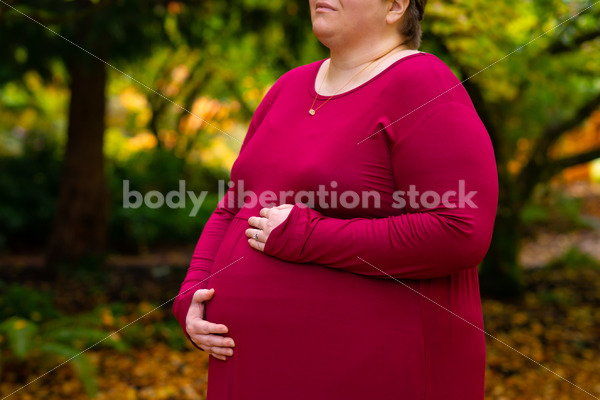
{"points": [[256, 236]]}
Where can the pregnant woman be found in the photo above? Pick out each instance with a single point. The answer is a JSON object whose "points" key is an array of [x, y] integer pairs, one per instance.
{"points": [[350, 296]]}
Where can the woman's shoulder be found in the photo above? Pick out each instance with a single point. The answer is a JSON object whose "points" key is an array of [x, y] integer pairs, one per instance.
{"points": [[425, 79], [422, 70], [421, 86]]}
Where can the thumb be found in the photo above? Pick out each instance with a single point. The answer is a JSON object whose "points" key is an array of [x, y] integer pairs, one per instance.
{"points": [[197, 307]]}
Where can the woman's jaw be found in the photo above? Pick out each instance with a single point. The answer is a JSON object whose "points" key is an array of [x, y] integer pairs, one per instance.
{"points": [[349, 27]]}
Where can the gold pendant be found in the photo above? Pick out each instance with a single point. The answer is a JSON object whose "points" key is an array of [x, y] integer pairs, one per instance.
{"points": [[311, 111]]}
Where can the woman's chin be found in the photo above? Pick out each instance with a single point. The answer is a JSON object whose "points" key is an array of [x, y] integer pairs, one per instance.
{"points": [[324, 34]]}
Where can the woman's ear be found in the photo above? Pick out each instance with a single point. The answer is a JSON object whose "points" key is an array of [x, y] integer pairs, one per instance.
{"points": [[396, 11]]}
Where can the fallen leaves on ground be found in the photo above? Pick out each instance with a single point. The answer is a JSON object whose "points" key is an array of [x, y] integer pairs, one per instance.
{"points": [[555, 329], [558, 327]]}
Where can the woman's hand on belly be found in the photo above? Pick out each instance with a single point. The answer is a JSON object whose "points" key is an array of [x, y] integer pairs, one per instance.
{"points": [[204, 334], [271, 219]]}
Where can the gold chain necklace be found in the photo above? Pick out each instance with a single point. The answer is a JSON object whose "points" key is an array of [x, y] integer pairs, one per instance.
{"points": [[313, 111]]}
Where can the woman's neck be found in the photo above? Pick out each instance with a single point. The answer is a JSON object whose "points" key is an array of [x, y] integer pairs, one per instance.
{"points": [[347, 62], [345, 59]]}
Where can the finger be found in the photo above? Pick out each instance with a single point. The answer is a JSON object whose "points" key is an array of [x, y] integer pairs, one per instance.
{"points": [[219, 356], [265, 212], [256, 245], [251, 231], [257, 222], [203, 327], [213, 340], [209, 350], [222, 351]]}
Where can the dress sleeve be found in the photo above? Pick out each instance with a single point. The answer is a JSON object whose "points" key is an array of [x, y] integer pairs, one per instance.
{"points": [[200, 267], [214, 231], [446, 146]]}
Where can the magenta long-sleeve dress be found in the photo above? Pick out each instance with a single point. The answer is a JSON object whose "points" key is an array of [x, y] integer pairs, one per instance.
{"points": [[354, 301]]}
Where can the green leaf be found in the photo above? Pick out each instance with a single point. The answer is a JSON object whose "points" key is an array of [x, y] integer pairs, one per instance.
{"points": [[86, 371], [20, 334]]}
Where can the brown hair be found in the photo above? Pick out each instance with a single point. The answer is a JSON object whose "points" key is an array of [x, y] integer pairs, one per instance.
{"points": [[410, 26]]}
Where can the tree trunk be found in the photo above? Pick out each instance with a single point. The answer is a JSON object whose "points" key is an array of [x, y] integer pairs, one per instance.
{"points": [[500, 275], [80, 225]]}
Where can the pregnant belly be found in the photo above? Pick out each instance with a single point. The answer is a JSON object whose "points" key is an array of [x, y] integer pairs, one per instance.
{"points": [[332, 324], [251, 286]]}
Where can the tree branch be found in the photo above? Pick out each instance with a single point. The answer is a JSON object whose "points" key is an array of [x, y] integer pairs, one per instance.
{"points": [[534, 169], [559, 47], [554, 131], [565, 162]]}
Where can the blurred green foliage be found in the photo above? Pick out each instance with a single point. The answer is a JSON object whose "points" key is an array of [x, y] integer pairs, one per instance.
{"points": [[574, 259], [29, 183], [551, 210], [34, 332], [216, 59], [136, 229], [184, 52]]}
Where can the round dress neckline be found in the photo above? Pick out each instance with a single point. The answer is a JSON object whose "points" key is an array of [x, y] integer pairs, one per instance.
{"points": [[313, 92]]}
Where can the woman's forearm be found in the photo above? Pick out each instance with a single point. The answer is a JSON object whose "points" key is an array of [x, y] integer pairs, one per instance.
{"points": [[420, 245]]}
